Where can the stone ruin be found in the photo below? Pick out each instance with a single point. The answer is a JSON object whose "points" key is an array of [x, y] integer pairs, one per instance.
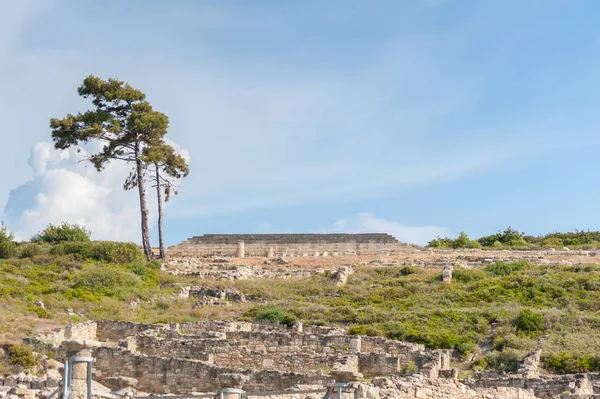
{"points": [[272, 357], [203, 357], [270, 245]]}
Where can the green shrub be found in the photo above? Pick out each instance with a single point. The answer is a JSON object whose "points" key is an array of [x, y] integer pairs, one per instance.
{"points": [[408, 270], [553, 242], [30, 250], [506, 268], [65, 232], [467, 275], [502, 361], [94, 281], [276, 315], [567, 363], [104, 251], [440, 242], [40, 312], [8, 249], [21, 355], [529, 322], [363, 330], [463, 241]]}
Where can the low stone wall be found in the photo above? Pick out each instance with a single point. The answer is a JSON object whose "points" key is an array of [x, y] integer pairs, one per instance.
{"points": [[548, 386], [178, 376], [116, 330], [284, 350]]}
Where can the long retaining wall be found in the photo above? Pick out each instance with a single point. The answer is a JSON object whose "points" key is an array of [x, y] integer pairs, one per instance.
{"points": [[286, 244]]}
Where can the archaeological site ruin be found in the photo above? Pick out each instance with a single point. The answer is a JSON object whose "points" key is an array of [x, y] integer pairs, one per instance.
{"points": [[241, 245], [237, 359]]}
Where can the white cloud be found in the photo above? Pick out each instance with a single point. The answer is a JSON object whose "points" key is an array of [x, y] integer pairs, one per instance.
{"points": [[66, 189], [368, 223]]}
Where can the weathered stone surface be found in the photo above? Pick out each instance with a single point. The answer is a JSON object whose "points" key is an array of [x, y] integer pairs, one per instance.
{"points": [[120, 382], [447, 274], [345, 376]]}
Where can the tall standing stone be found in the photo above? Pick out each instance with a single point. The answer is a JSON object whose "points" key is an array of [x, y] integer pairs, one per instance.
{"points": [[447, 274], [270, 253], [241, 250]]}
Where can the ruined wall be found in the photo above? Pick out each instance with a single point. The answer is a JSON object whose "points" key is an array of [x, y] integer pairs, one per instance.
{"points": [[177, 376], [288, 244], [253, 350], [286, 350], [117, 330], [546, 387]]}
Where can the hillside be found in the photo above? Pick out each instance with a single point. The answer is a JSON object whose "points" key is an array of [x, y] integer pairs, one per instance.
{"points": [[490, 315]]}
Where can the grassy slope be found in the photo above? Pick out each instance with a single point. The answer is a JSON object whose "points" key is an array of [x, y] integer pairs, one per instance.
{"points": [[400, 302]]}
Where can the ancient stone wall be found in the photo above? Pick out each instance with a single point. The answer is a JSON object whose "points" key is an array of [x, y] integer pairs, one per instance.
{"points": [[286, 244], [274, 357], [177, 376], [117, 330], [546, 387]]}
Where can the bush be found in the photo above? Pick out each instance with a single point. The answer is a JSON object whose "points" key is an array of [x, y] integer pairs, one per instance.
{"points": [[64, 233], [463, 241], [111, 252], [31, 250], [276, 315], [467, 275], [553, 242], [440, 242], [21, 355], [94, 281], [566, 363], [506, 268], [501, 361], [7, 249], [529, 322], [363, 330]]}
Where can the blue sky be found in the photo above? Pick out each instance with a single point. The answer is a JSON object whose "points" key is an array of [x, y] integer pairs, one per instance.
{"points": [[417, 118]]}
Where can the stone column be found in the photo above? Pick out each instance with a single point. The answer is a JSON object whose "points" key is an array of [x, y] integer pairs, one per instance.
{"points": [[78, 349], [270, 253], [241, 250], [445, 360]]}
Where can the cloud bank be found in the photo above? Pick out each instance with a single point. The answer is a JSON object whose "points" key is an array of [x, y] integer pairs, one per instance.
{"points": [[65, 188]]}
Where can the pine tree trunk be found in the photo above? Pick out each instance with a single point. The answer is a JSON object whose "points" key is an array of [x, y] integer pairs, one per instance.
{"points": [[160, 215], [143, 206]]}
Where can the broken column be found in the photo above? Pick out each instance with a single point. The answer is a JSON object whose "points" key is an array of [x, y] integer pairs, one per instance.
{"points": [[447, 274], [241, 250], [79, 353], [445, 360], [270, 253]]}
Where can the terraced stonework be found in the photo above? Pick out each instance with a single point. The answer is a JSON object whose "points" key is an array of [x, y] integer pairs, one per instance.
{"points": [[286, 244]]}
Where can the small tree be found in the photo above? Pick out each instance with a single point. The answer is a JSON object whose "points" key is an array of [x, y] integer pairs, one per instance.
{"points": [[165, 167], [8, 247], [54, 234], [168, 168], [124, 123]]}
